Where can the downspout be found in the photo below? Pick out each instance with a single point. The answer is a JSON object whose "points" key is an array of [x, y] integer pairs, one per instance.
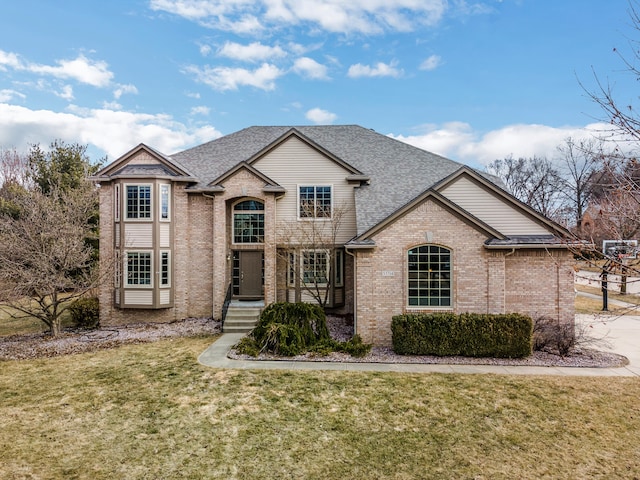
{"points": [[355, 290]]}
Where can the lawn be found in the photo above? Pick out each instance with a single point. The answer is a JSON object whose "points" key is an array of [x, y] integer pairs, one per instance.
{"points": [[152, 412]]}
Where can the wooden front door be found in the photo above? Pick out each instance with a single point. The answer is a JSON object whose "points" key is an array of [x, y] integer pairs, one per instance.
{"points": [[250, 281]]}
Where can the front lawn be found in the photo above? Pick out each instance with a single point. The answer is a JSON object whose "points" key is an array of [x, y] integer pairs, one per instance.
{"points": [[150, 411]]}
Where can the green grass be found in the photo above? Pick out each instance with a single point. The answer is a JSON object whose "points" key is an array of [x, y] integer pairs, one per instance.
{"points": [[151, 412]]}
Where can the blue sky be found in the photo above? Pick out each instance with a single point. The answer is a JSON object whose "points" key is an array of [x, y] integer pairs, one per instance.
{"points": [[473, 80]]}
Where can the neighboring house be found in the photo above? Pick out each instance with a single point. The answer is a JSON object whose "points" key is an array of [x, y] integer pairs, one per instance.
{"points": [[417, 232]]}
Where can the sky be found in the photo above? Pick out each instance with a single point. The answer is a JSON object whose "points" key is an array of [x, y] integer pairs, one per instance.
{"points": [[473, 80]]}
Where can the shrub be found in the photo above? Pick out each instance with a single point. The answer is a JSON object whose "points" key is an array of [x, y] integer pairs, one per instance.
{"points": [[468, 334], [85, 313], [550, 334], [290, 329]]}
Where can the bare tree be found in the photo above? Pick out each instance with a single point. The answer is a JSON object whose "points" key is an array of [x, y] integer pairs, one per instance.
{"points": [[45, 260], [309, 247], [534, 181], [580, 167]]}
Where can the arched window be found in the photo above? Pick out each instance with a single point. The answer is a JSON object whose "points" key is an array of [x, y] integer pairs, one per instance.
{"points": [[248, 222], [429, 276]]}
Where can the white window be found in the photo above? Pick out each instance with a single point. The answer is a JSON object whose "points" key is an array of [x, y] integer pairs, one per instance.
{"points": [[314, 201], [138, 201], [165, 202], [315, 267], [248, 222], [139, 269], [165, 269], [429, 282], [116, 203]]}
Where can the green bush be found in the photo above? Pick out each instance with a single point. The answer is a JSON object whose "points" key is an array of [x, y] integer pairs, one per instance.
{"points": [[85, 313], [468, 334], [290, 329]]}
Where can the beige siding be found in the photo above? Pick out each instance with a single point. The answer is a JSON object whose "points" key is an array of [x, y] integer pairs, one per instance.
{"points": [[295, 163], [165, 297], [491, 209], [138, 297], [165, 235], [117, 233], [138, 235]]}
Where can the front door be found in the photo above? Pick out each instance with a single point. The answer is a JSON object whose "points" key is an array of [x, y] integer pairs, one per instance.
{"points": [[250, 274]]}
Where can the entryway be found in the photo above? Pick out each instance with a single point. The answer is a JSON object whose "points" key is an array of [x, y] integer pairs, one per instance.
{"points": [[248, 274]]}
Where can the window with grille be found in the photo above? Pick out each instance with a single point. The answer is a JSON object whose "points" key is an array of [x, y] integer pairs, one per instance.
{"points": [[429, 276], [314, 202], [138, 201], [248, 222], [139, 269]]}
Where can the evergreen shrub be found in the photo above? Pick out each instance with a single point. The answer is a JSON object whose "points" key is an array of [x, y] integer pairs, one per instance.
{"points": [[85, 312], [467, 334]]}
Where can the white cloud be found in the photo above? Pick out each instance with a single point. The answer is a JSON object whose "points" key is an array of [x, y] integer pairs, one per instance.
{"points": [[81, 69], [205, 50], [226, 78], [459, 141], [253, 52], [380, 70], [319, 116], [201, 110], [7, 95], [66, 93], [122, 89], [360, 16], [113, 132], [309, 68], [431, 63]]}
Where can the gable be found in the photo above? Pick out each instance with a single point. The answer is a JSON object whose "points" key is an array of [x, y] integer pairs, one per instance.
{"points": [[498, 212], [142, 161]]}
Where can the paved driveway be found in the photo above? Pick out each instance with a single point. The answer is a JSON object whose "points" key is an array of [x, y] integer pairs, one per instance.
{"points": [[623, 332]]}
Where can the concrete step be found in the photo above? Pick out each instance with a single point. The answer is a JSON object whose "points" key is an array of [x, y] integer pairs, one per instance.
{"points": [[241, 319]]}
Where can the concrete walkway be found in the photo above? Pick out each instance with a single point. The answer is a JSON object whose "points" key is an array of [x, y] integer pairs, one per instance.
{"points": [[624, 333]]}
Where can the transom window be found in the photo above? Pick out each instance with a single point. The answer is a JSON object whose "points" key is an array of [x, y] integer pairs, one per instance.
{"points": [[429, 276], [139, 268], [315, 201], [138, 201], [248, 222]]}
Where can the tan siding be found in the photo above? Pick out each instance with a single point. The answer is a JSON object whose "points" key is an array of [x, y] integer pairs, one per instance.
{"points": [[295, 163], [138, 235], [165, 235], [138, 297], [165, 297], [491, 209]]}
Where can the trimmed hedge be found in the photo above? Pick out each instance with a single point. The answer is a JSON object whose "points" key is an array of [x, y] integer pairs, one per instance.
{"points": [[85, 313], [468, 334]]}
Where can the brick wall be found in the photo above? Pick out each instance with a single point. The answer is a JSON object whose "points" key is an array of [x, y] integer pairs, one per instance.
{"points": [[531, 282]]}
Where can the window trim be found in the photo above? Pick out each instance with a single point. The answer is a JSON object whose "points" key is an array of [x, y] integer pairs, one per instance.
{"points": [[338, 268], [315, 195], [327, 269], [161, 187], [116, 202], [125, 205], [407, 286], [245, 212], [126, 283], [160, 269]]}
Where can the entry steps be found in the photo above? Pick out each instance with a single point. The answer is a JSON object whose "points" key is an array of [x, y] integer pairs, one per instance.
{"points": [[242, 316]]}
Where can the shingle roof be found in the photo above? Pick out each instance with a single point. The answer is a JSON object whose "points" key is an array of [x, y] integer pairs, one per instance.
{"points": [[399, 172]]}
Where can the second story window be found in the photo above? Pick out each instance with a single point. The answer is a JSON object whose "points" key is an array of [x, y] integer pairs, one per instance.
{"points": [[315, 201], [248, 222], [138, 201]]}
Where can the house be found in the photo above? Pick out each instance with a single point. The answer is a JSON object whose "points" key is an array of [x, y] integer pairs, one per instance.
{"points": [[374, 225]]}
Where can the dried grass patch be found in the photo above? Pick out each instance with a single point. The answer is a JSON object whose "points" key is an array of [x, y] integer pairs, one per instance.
{"points": [[151, 411]]}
